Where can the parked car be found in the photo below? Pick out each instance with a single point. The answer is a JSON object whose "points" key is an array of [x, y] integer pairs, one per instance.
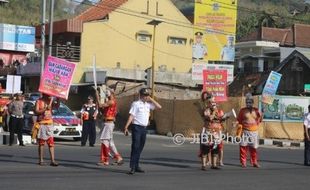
{"points": [[66, 124]]}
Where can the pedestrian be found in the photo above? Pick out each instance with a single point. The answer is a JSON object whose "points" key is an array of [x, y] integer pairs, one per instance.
{"points": [[211, 141], [109, 111], [307, 138], [16, 122], [43, 108], [89, 113], [249, 119], [138, 120]]}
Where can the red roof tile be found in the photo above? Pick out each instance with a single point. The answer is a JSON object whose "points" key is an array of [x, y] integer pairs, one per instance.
{"points": [[100, 10], [302, 38], [297, 35]]}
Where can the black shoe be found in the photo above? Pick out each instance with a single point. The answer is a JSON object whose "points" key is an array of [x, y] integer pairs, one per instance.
{"points": [[82, 144], [92, 145], [131, 172], [215, 168], [139, 170], [22, 145], [306, 164]]}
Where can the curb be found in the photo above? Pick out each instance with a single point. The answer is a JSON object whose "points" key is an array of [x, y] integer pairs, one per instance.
{"points": [[281, 143]]}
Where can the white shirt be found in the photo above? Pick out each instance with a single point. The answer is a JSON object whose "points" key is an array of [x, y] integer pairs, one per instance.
{"points": [[141, 112], [307, 120], [199, 50]]}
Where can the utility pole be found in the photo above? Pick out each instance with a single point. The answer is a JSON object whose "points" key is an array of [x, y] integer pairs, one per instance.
{"points": [[43, 36], [50, 36]]}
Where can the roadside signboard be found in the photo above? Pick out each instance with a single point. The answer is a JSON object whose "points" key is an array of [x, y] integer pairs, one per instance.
{"points": [[17, 38]]}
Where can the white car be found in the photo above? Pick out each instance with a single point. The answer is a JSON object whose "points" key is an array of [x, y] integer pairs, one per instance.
{"points": [[66, 123]]}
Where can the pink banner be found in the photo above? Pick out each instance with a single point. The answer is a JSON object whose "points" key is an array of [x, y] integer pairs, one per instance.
{"points": [[215, 82], [57, 77]]}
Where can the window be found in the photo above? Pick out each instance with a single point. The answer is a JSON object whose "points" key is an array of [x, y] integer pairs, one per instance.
{"points": [[177, 40], [143, 36]]}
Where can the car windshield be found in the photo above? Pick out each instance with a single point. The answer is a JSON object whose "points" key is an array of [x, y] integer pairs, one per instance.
{"points": [[63, 110]]}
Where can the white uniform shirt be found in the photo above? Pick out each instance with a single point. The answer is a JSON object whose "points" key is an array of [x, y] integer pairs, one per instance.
{"points": [[307, 120], [199, 50], [141, 112], [228, 53]]}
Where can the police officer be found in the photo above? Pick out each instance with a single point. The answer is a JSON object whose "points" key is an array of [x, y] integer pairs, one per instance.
{"points": [[89, 113], [199, 49], [16, 122], [228, 51], [307, 138], [139, 119]]}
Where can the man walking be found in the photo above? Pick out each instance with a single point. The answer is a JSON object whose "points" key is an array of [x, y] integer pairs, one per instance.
{"points": [[307, 138], [109, 110], [139, 119]]}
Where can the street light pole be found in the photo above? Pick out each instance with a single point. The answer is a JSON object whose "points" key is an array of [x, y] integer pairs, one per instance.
{"points": [[43, 35], [154, 23], [50, 35]]}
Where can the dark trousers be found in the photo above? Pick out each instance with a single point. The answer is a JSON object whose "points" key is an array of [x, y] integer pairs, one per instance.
{"points": [[138, 141], [16, 126], [89, 129], [307, 151]]}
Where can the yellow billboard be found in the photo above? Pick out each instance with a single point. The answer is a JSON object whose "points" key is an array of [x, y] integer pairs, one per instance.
{"points": [[215, 30]]}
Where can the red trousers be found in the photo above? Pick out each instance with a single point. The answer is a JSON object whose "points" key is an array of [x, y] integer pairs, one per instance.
{"points": [[104, 153], [243, 154]]}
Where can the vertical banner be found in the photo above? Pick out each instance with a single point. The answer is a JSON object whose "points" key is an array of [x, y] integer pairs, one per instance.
{"points": [[214, 26], [57, 77], [13, 84], [271, 87], [215, 82]]}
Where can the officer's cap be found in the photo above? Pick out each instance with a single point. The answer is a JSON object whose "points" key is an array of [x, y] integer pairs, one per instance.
{"points": [[198, 34], [144, 92]]}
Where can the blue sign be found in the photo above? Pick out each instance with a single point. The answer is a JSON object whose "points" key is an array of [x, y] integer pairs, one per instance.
{"points": [[271, 87], [17, 38]]}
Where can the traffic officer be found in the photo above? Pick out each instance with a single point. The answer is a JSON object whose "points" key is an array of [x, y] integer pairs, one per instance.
{"points": [[138, 120], [199, 49], [16, 122], [307, 138], [89, 113]]}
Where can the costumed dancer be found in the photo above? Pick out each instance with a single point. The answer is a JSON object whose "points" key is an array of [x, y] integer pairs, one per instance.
{"points": [[249, 119], [109, 110], [211, 133]]}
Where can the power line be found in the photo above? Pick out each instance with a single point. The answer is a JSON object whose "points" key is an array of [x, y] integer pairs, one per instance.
{"points": [[145, 44]]}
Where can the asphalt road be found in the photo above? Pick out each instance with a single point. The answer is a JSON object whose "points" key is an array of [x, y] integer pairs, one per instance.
{"points": [[167, 166]]}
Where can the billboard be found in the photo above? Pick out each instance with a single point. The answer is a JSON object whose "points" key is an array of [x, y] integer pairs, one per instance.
{"points": [[285, 109], [197, 69], [17, 38], [214, 30]]}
